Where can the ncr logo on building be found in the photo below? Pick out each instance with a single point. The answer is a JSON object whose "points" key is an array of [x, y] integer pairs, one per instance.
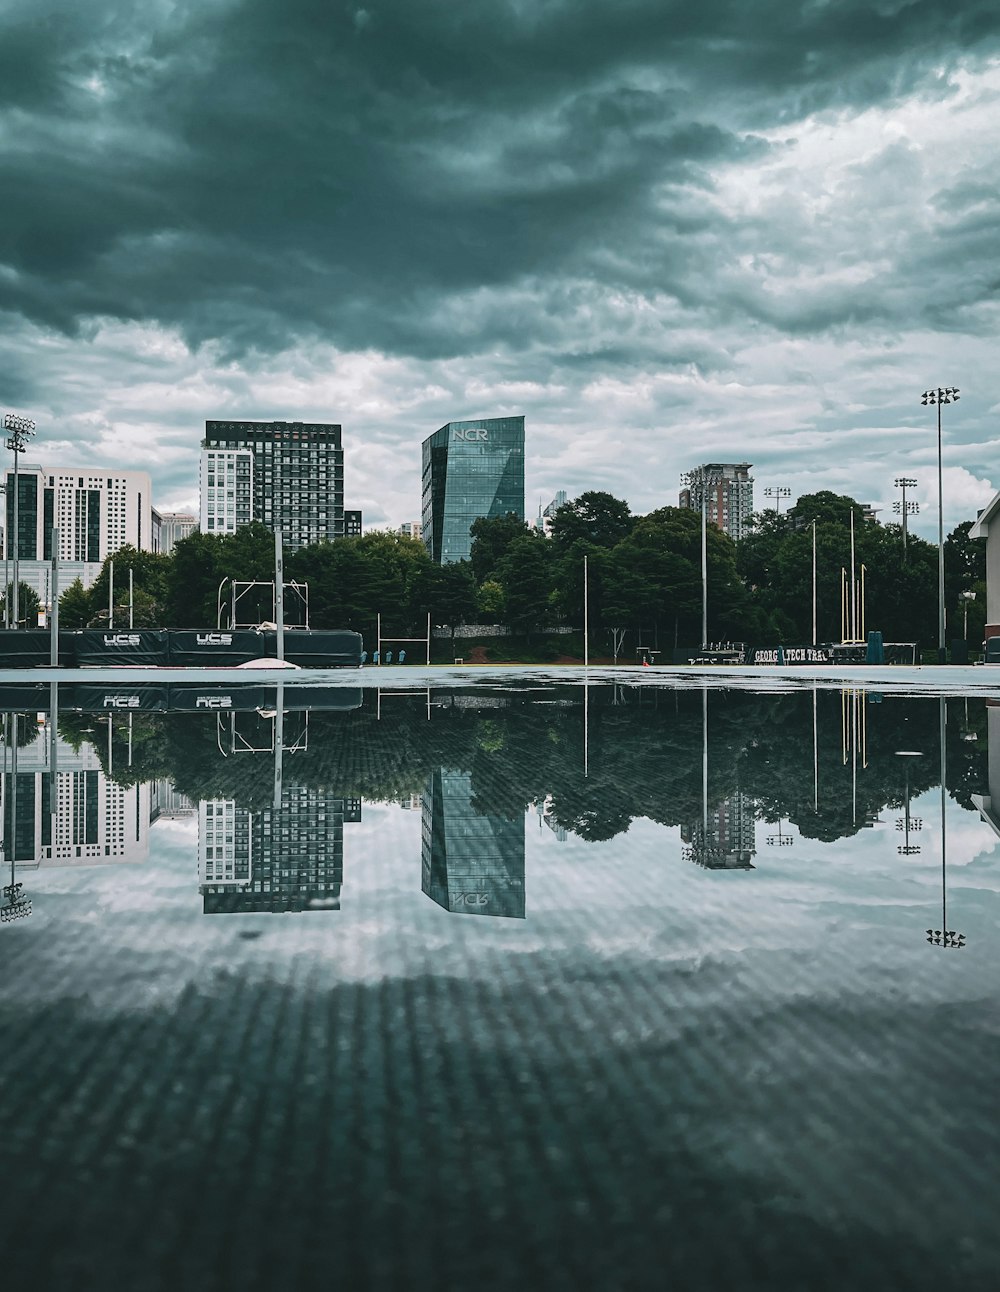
{"points": [[471, 434]]}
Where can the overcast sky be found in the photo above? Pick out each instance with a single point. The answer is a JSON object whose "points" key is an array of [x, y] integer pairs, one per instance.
{"points": [[664, 232]]}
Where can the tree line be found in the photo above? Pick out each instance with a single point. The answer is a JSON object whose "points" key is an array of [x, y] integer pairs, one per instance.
{"points": [[644, 577]]}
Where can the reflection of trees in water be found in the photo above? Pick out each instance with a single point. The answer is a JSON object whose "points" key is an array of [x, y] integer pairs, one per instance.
{"points": [[645, 754]]}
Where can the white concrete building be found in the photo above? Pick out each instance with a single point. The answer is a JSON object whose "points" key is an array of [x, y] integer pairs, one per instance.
{"points": [[226, 480], [96, 511]]}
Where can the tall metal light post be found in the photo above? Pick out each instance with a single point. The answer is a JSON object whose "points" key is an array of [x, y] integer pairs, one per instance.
{"points": [[942, 395], [6, 560], [19, 432], [702, 479], [777, 492], [905, 508]]}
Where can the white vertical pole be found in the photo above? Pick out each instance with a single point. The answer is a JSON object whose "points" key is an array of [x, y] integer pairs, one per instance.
{"points": [[854, 587], [54, 618], [17, 538], [378, 635], [111, 596], [814, 583], [428, 646], [279, 739], [279, 593], [704, 563], [131, 598], [586, 617]]}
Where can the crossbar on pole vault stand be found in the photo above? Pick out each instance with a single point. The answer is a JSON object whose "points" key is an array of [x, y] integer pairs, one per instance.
{"points": [[379, 639]]}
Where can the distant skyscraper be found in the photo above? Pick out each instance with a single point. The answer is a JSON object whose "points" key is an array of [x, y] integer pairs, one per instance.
{"points": [[472, 864], [411, 528], [471, 469], [545, 515], [169, 527], [729, 494], [297, 479], [352, 523]]}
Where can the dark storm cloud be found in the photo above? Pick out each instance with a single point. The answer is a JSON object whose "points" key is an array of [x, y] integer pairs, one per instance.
{"points": [[431, 178]]}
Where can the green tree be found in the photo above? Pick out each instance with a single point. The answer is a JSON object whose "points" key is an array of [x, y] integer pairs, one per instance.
{"points": [[595, 517], [151, 572], [490, 605], [25, 605], [653, 580], [446, 592], [75, 606], [491, 538], [525, 574]]}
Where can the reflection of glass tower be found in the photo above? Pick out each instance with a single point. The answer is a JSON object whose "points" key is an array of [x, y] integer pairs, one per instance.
{"points": [[289, 858], [472, 864], [726, 839]]}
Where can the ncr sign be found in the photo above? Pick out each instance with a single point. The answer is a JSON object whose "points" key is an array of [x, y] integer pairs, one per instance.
{"points": [[471, 434]]}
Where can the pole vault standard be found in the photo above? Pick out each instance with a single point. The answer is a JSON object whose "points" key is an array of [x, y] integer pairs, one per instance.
{"points": [[379, 639]]}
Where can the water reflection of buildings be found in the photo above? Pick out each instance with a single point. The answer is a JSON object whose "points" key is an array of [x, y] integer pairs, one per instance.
{"points": [[725, 838], [472, 864], [276, 859], [78, 817], [167, 804]]}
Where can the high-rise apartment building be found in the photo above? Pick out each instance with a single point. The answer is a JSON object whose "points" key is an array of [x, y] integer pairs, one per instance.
{"points": [[277, 859], [96, 512], [729, 842], [411, 529], [296, 478], [471, 469], [226, 490], [728, 491], [79, 817], [352, 524]]}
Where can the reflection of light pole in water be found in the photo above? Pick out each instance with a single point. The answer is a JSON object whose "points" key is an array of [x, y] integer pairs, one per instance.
{"points": [[782, 840], [944, 937], [815, 756], [15, 907], [907, 823]]}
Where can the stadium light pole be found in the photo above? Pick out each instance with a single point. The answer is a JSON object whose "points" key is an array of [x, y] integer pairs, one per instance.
{"points": [[942, 395], [777, 492], [6, 560], [19, 432], [702, 479], [905, 508]]}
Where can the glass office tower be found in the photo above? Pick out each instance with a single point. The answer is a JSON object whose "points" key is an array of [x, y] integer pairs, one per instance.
{"points": [[470, 469]]}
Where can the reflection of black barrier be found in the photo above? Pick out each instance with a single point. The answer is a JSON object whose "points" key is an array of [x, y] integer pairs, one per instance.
{"points": [[120, 649], [32, 698], [31, 648], [96, 697], [317, 647], [318, 699], [215, 649], [187, 697]]}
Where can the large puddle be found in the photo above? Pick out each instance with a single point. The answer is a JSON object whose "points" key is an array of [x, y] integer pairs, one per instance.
{"points": [[509, 986]]}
